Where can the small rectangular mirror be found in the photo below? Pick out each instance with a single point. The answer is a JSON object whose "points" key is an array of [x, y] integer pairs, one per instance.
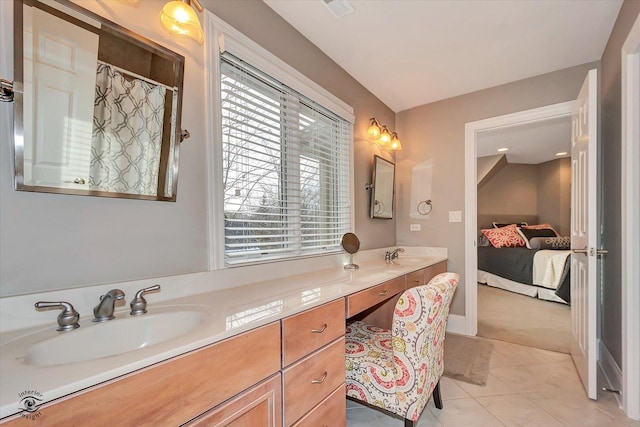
{"points": [[97, 107], [383, 189]]}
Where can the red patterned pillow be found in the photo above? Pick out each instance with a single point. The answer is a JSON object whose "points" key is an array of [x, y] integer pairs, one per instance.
{"points": [[504, 237], [540, 227]]}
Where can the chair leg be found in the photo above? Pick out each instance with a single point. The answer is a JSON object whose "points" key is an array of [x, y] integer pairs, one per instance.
{"points": [[408, 423], [437, 398]]}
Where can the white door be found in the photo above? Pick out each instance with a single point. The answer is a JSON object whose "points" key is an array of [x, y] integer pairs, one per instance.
{"points": [[60, 66], [584, 236]]}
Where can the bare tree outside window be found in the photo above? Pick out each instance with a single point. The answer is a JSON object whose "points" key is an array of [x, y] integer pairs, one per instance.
{"points": [[279, 171]]}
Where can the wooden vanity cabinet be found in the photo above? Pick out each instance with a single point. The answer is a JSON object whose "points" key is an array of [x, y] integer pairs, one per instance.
{"points": [[177, 390], [415, 278], [260, 406], [422, 277], [313, 374], [365, 299]]}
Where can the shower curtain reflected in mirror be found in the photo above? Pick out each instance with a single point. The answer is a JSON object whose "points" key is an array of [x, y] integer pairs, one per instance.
{"points": [[127, 133]]}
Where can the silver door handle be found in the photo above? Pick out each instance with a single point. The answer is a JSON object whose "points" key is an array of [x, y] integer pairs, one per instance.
{"points": [[580, 251], [602, 251]]}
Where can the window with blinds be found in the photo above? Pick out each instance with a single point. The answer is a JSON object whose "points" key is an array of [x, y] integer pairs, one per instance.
{"points": [[285, 171]]}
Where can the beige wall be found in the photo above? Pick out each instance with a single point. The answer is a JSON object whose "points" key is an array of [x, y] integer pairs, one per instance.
{"points": [[611, 130], [511, 191], [436, 132], [543, 190], [554, 194], [57, 241]]}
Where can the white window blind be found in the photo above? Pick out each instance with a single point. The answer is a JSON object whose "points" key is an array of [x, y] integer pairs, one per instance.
{"points": [[285, 169]]}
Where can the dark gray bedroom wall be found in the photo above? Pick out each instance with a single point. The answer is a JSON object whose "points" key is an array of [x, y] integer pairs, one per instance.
{"points": [[610, 142], [543, 190], [435, 132], [513, 190]]}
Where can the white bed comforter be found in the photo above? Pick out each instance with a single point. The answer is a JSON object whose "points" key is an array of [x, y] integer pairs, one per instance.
{"points": [[548, 266]]}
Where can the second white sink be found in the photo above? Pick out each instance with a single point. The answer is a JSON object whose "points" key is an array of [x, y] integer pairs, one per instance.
{"points": [[117, 336]]}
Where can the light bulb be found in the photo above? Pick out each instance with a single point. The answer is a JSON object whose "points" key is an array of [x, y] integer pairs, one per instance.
{"points": [[395, 143], [385, 136], [374, 129], [180, 19]]}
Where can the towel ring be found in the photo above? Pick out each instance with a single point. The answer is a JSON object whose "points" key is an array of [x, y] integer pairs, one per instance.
{"points": [[425, 207]]}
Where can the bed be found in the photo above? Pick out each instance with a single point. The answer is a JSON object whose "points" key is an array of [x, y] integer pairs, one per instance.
{"points": [[541, 270]]}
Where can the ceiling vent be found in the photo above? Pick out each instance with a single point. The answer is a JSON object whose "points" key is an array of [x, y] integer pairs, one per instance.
{"points": [[338, 8]]}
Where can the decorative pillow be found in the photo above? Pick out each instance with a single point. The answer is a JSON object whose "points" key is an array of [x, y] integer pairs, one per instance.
{"points": [[527, 234], [504, 224], [483, 241], [504, 237], [541, 226], [550, 242]]}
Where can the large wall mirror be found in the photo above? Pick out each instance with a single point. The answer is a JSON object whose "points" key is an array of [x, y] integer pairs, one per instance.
{"points": [[382, 190], [97, 107]]}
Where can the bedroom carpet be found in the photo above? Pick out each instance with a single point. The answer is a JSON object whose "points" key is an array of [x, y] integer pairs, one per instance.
{"points": [[467, 358], [519, 319]]}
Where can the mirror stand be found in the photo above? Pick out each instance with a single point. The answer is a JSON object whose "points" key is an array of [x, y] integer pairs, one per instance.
{"points": [[351, 244], [351, 265]]}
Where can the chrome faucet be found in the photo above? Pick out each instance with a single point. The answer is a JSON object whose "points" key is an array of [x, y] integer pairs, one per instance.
{"points": [[391, 255], [104, 310], [68, 317], [139, 303]]}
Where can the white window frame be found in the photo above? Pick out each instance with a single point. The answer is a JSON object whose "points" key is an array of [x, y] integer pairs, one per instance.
{"points": [[221, 37]]}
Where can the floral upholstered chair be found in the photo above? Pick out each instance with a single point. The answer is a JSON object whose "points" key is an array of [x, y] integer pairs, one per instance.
{"points": [[399, 369]]}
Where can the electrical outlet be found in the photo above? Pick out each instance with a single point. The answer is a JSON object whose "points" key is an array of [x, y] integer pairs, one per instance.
{"points": [[416, 227], [455, 216]]}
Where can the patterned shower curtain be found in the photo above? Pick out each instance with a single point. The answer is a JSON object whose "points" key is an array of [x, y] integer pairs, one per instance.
{"points": [[127, 134]]}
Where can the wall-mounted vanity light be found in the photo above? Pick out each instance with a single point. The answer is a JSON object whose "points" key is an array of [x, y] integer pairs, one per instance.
{"points": [[384, 136], [179, 18]]}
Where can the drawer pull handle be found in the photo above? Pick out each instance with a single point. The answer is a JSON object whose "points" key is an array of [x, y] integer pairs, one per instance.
{"points": [[321, 380], [383, 293], [321, 330]]}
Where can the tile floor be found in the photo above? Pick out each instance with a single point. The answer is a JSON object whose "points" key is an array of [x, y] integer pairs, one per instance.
{"points": [[526, 387]]}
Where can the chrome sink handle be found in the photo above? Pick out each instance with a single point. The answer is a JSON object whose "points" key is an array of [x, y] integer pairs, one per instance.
{"points": [[391, 255], [139, 304], [68, 317], [105, 308]]}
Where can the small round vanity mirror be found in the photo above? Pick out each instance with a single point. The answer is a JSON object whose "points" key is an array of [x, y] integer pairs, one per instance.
{"points": [[351, 244]]}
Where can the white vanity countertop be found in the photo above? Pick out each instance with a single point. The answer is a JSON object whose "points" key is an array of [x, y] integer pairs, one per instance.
{"points": [[227, 312]]}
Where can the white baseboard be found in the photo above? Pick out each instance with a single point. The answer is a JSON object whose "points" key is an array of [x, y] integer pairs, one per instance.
{"points": [[457, 324], [610, 370]]}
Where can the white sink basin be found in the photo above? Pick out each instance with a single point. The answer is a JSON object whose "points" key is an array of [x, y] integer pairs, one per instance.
{"points": [[117, 336], [408, 260]]}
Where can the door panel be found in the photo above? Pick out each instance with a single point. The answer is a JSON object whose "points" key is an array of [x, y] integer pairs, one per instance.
{"points": [[584, 236], [60, 62]]}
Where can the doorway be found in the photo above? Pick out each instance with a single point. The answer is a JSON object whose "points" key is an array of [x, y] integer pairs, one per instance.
{"points": [[472, 132], [524, 178]]}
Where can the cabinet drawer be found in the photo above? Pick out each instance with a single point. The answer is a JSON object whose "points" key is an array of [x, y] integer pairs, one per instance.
{"points": [[363, 300], [415, 278], [311, 380], [331, 412], [434, 270], [261, 405], [306, 332]]}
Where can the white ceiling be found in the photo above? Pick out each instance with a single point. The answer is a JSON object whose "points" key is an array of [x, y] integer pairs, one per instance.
{"points": [[529, 143], [410, 52]]}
